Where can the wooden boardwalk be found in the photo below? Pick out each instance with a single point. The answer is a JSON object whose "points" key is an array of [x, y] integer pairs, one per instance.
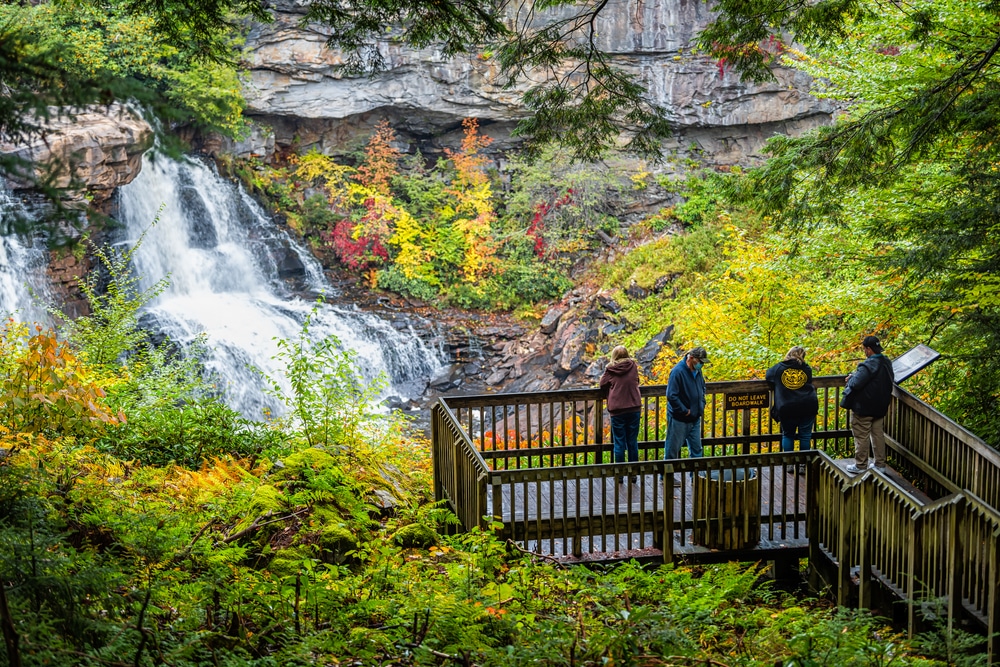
{"points": [[539, 464]]}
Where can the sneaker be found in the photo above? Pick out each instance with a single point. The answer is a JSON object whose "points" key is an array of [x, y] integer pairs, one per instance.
{"points": [[853, 469]]}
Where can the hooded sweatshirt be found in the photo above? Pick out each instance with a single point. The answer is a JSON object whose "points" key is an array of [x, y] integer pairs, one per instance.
{"points": [[621, 381], [795, 398]]}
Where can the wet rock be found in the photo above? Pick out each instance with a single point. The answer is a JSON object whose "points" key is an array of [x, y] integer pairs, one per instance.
{"points": [[609, 329], [448, 378], [663, 282], [551, 320], [609, 304], [395, 403], [650, 350], [288, 262], [633, 291], [596, 369], [497, 376], [472, 369]]}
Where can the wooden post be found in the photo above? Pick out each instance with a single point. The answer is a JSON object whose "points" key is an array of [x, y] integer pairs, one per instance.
{"points": [[812, 519], [436, 453], [993, 615], [864, 544], [913, 553], [746, 431], [955, 564], [847, 521], [668, 513], [599, 421]]}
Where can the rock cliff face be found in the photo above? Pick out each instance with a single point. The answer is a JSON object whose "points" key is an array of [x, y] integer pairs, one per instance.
{"points": [[92, 153], [296, 88]]}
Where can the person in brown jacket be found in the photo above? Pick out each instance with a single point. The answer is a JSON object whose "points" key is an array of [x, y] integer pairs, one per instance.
{"points": [[621, 381]]}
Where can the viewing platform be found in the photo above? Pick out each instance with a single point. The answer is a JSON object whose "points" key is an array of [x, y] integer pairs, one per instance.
{"points": [[923, 531]]}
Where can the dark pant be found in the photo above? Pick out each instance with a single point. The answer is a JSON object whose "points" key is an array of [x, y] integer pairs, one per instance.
{"points": [[788, 432], [625, 436]]}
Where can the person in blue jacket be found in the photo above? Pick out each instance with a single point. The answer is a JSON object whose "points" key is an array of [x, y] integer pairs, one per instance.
{"points": [[685, 405]]}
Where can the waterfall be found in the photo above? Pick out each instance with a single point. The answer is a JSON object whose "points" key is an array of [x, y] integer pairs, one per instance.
{"points": [[240, 279], [24, 285]]}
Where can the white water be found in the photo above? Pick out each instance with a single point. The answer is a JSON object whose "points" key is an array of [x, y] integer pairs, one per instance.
{"points": [[236, 276], [24, 285]]}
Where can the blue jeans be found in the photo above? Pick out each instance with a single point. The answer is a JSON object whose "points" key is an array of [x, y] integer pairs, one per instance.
{"points": [[625, 435], [788, 436], [682, 433]]}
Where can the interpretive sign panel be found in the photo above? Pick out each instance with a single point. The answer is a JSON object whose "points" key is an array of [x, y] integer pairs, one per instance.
{"points": [[746, 400], [909, 363]]}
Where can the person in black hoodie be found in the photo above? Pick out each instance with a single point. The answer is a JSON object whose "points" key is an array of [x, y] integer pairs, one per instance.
{"points": [[867, 396], [795, 403], [621, 381]]}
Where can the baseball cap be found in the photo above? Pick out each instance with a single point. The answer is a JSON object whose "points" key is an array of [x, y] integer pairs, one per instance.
{"points": [[699, 353], [872, 342]]}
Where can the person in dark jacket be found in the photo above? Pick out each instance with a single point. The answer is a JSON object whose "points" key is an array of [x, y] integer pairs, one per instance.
{"points": [[685, 405], [869, 390], [795, 403], [621, 381]]}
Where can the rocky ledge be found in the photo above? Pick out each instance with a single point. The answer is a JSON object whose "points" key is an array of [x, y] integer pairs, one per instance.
{"points": [[90, 152]]}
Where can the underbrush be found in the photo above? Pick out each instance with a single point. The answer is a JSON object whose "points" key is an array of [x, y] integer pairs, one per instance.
{"points": [[142, 524]]}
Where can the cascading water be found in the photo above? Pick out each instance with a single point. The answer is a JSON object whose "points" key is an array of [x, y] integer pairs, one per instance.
{"points": [[237, 277], [24, 286]]}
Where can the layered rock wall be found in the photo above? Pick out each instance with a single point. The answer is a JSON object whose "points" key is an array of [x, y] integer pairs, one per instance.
{"points": [[296, 87]]}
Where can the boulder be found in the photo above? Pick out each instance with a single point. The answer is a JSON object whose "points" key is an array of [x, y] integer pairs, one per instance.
{"points": [[572, 354], [596, 369], [447, 378], [650, 350], [551, 320], [663, 282], [496, 377], [536, 380], [608, 304], [636, 293]]}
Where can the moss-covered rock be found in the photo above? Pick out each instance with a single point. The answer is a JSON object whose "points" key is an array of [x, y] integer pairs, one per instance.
{"points": [[335, 542], [415, 535]]}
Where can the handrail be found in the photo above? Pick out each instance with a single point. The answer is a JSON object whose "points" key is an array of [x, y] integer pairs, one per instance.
{"points": [[460, 473], [573, 425]]}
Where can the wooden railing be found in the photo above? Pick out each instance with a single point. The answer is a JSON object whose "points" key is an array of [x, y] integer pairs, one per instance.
{"points": [[460, 474], [940, 455], [510, 457], [867, 527], [573, 427]]}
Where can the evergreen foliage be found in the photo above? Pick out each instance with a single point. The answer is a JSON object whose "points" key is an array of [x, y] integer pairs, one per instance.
{"points": [[911, 161]]}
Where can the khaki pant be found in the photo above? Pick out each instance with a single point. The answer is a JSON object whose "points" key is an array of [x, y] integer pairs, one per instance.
{"points": [[868, 436]]}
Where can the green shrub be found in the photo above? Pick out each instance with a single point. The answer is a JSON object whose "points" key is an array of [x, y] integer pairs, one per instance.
{"points": [[393, 280]]}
